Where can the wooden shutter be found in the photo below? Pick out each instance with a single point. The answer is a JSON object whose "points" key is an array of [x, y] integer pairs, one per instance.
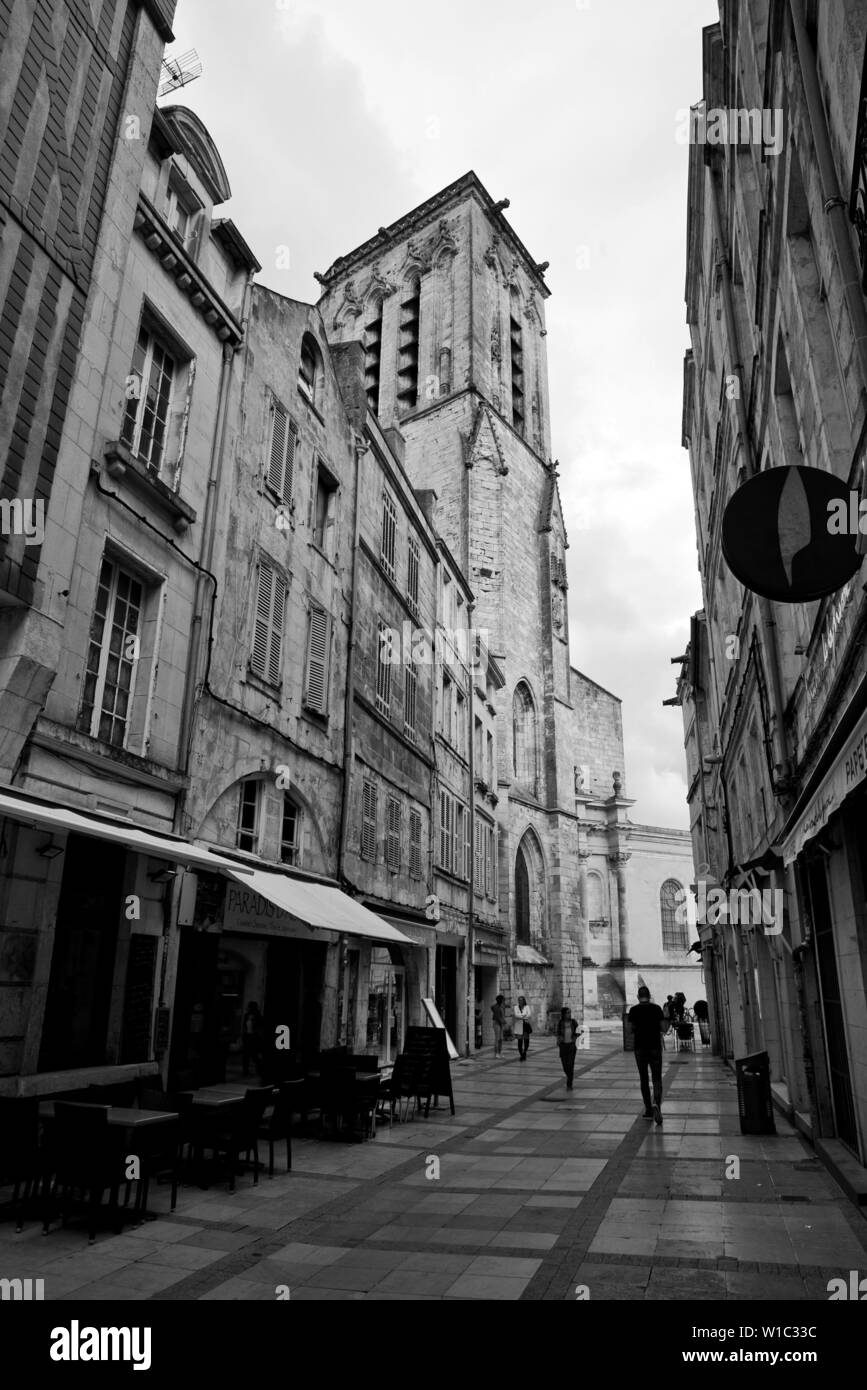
{"points": [[489, 861], [278, 610], [392, 850], [368, 821], [262, 620], [277, 448], [317, 660], [457, 817], [415, 843], [468, 844]]}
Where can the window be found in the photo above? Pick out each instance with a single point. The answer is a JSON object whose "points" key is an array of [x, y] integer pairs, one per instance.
{"points": [[460, 723], [290, 834], [478, 749], [468, 842], [112, 655], [407, 370], [479, 864], [151, 382], [310, 370], [522, 898], [373, 356], [412, 569], [455, 832], [490, 777], [368, 820], [282, 443], [392, 841], [674, 933], [268, 624], [517, 353], [410, 690], [324, 509], [247, 833], [318, 652], [449, 614], [415, 867], [524, 738], [181, 209], [389, 531], [448, 708], [383, 668], [491, 861]]}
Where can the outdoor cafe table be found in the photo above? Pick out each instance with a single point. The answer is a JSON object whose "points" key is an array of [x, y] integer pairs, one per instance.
{"points": [[135, 1125]]}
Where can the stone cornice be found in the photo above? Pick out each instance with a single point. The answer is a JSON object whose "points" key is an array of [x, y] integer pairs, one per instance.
{"points": [[175, 260]]}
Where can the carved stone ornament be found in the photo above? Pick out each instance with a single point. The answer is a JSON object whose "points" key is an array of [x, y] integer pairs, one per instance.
{"points": [[353, 303]]}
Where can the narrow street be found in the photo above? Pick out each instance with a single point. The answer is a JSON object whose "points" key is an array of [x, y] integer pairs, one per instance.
{"points": [[540, 1191]]}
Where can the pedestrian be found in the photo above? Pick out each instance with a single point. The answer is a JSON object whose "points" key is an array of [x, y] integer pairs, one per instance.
{"points": [[499, 1014], [251, 1038], [648, 1025], [523, 1026], [699, 1008], [568, 1033], [667, 1006]]}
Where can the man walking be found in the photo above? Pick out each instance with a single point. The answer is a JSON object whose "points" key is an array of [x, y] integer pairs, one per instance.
{"points": [[648, 1025]]}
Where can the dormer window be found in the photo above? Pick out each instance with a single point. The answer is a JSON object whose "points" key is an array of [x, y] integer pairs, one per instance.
{"points": [[181, 210]]}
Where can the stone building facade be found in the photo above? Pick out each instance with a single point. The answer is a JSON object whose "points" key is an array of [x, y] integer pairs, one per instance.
{"points": [[774, 694]]}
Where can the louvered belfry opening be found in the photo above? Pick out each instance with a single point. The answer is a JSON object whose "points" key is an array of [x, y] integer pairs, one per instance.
{"points": [[407, 373], [373, 356], [516, 339]]}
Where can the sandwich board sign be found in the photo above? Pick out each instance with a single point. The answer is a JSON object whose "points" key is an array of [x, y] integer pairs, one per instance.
{"points": [[435, 1017], [788, 533]]}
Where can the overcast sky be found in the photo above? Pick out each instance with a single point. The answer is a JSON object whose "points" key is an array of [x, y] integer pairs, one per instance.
{"points": [[335, 117]]}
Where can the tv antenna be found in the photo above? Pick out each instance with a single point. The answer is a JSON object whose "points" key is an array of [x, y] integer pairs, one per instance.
{"points": [[179, 71]]}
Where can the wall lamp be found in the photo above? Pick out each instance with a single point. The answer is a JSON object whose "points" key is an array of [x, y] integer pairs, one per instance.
{"points": [[163, 875], [50, 850]]}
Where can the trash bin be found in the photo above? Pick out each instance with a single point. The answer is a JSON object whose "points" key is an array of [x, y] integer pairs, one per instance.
{"points": [[628, 1036], [755, 1106]]}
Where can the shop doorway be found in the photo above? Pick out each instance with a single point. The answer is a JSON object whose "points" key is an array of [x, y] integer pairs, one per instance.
{"points": [[77, 1007], [386, 1006], [486, 994], [446, 987], [832, 1004]]}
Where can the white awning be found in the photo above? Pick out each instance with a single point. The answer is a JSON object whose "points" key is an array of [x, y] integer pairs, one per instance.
{"points": [[38, 815], [316, 905], [848, 771]]}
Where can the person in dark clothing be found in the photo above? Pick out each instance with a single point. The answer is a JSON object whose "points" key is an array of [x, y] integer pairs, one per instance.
{"points": [[699, 1008], [498, 1011], [251, 1038], [648, 1025], [568, 1033]]}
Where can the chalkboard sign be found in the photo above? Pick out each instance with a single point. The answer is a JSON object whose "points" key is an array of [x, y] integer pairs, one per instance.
{"points": [[422, 1069], [435, 1017], [137, 1002], [161, 1030]]}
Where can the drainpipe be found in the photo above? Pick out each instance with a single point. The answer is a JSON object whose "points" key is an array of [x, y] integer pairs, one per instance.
{"points": [[471, 934], [361, 447], [766, 612], [209, 520]]}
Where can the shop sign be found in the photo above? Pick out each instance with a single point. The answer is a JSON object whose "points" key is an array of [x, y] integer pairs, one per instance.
{"points": [[848, 772]]}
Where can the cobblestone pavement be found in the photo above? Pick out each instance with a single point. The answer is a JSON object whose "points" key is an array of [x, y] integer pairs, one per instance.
{"points": [[540, 1190]]}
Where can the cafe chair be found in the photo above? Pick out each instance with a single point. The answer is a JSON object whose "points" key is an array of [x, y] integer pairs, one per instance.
{"points": [[239, 1134], [83, 1159], [20, 1158], [166, 1159], [394, 1091], [277, 1123]]}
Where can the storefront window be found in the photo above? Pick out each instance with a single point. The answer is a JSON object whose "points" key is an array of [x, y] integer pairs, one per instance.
{"points": [[385, 1006]]}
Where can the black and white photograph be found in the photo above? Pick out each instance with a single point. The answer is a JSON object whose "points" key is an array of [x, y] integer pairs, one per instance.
{"points": [[433, 675]]}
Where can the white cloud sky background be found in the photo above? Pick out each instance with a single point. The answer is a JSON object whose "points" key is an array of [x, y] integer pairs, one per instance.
{"points": [[334, 118]]}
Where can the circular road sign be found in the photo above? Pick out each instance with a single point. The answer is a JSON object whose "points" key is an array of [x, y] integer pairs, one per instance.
{"points": [[790, 533]]}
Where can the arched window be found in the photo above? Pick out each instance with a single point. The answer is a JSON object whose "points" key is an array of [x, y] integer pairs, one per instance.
{"points": [[310, 370], [522, 898], [525, 742], [675, 935]]}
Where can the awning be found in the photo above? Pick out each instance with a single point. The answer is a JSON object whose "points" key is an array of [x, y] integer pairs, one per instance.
{"points": [[316, 905], [42, 815], [528, 955], [847, 772]]}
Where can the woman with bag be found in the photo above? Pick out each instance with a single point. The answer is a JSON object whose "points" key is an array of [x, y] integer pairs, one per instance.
{"points": [[523, 1027]]}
